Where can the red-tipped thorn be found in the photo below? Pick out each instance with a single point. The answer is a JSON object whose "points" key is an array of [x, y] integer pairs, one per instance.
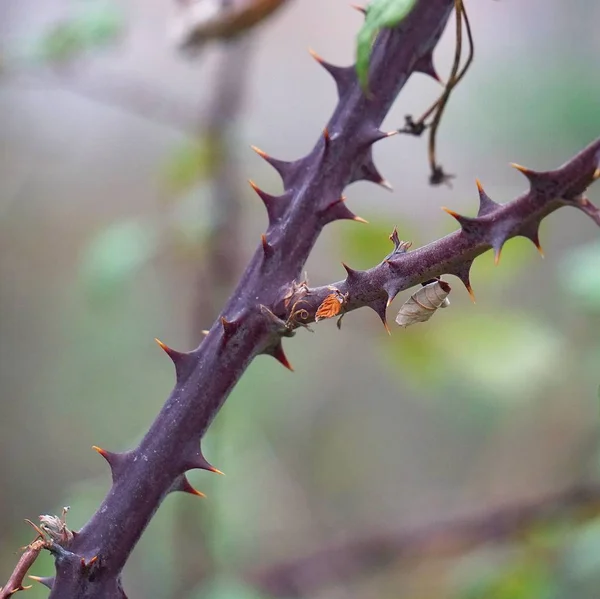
{"points": [[359, 8], [326, 136], [470, 291], [89, 564], [170, 352], [229, 327], [380, 307], [534, 177], [262, 154], [266, 246], [183, 484], [425, 65], [47, 581], [183, 362], [486, 204], [497, 253], [316, 56], [522, 169], [105, 454], [198, 461], [278, 353], [455, 215]]}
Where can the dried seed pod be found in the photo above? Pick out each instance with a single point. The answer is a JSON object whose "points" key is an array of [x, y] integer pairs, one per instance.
{"points": [[422, 305]]}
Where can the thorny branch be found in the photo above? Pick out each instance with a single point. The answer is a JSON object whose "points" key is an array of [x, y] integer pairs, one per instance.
{"points": [[455, 253], [247, 327], [266, 307], [309, 575]]}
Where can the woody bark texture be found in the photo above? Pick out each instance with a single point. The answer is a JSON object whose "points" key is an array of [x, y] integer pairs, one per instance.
{"points": [[247, 327]]}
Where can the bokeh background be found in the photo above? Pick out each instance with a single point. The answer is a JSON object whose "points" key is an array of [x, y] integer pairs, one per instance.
{"points": [[121, 222]]}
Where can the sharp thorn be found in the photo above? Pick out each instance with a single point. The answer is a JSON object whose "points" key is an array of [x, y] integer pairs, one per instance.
{"points": [[486, 204], [198, 461], [205, 332], [358, 219], [497, 253], [183, 362], [455, 215], [266, 246], [183, 484], [359, 8], [229, 327], [47, 581], [470, 291], [353, 275], [278, 353], [260, 152]]}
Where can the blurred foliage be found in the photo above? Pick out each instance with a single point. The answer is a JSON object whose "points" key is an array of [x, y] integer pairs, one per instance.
{"points": [[564, 95], [379, 14], [191, 162], [114, 255], [527, 576], [580, 275], [226, 587], [92, 24], [454, 352]]}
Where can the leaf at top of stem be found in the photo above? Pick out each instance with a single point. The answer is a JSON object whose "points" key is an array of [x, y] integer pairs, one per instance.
{"points": [[379, 14]]}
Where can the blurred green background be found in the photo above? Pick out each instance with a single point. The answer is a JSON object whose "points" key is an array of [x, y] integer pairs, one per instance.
{"points": [[112, 233]]}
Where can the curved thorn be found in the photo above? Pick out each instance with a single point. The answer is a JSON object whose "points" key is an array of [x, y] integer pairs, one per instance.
{"points": [[497, 252], [266, 246], [353, 275], [281, 166], [359, 8], [274, 205], [278, 353], [425, 65], [183, 484], [229, 327], [198, 461], [486, 204], [47, 581], [183, 362]]}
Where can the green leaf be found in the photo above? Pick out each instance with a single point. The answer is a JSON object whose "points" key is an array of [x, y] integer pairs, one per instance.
{"points": [[113, 256], [380, 13]]}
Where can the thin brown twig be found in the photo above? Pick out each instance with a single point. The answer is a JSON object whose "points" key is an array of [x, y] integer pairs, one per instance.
{"points": [[361, 557], [437, 108]]}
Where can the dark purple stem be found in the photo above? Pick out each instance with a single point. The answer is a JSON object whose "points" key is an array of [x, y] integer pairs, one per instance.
{"points": [[455, 253], [205, 376]]}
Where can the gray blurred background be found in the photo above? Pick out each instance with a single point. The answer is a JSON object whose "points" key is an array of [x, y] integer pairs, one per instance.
{"points": [[107, 225]]}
